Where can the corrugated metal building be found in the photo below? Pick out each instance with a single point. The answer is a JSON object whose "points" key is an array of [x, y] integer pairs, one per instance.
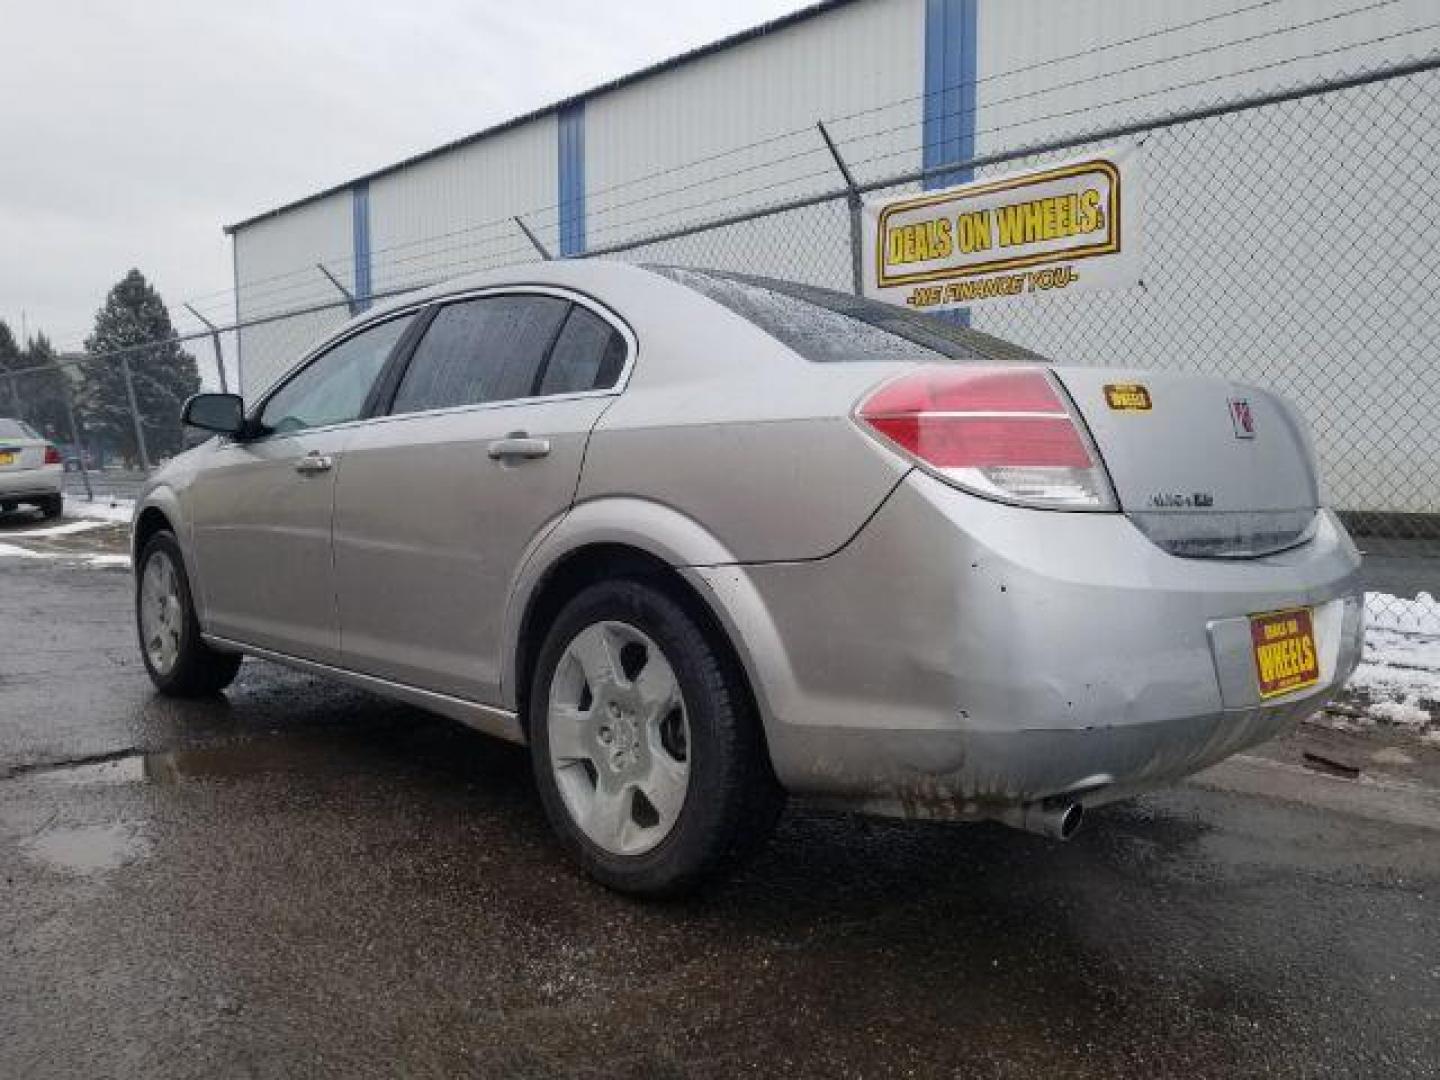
{"points": [[898, 83]]}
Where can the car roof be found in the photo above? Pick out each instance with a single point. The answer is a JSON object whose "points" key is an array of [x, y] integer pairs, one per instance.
{"points": [[583, 275]]}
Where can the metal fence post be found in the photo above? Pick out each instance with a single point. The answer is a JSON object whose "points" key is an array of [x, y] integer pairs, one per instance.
{"points": [[857, 239], [534, 240], [350, 301], [135, 414], [79, 447], [214, 341], [15, 396]]}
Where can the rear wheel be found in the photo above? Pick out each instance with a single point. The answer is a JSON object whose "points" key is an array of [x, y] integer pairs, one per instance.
{"points": [[52, 506], [647, 751], [179, 662]]}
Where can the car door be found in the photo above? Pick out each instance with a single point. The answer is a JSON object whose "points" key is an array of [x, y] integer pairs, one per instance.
{"points": [[437, 504], [262, 512]]}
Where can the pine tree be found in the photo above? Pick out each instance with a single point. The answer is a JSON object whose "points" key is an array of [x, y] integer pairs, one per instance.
{"points": [[11, 405], [32, 385], [164, 374], [43, 389]]}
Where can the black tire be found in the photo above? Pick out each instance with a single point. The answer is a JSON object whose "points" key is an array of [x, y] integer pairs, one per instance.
{"points": [[198, 670], [52, 506], [733, 799]]}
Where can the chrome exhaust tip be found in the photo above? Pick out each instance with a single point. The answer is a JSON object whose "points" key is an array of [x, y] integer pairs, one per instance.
{"points": [[1057, 819]]}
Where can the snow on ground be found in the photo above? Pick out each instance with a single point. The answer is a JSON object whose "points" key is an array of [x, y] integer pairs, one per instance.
{"points": [[107, 560], [121, 510], [14, 551], [1398, 680], [70, 539], [64, 529], [85, 558]]}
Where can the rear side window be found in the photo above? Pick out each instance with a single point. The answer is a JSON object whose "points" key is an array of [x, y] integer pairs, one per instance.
{"points": [[588, 355], [474, 351], [332, 389], [827, 327]]}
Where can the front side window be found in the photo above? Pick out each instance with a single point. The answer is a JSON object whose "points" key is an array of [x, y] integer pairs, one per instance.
{"points": [[475, 351], [332, 389]]}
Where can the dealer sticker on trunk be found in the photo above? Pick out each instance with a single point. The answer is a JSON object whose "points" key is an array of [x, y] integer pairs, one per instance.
{"points": [[1286, 659], [1127, 397]]}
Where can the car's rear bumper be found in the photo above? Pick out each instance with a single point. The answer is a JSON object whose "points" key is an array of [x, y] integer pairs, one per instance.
{"points": [[954, 775], [960, 654], [24, 484]]}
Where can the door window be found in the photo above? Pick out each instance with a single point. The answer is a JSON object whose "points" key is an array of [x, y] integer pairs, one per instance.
{"points": [[588, 355], [332, 389], [474, 351]]}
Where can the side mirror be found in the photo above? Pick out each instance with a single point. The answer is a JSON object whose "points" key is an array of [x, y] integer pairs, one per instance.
{"points": [[224, 413]]}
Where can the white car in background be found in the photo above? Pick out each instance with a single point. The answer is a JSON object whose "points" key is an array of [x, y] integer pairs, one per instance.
{"points": [[32, 473]]}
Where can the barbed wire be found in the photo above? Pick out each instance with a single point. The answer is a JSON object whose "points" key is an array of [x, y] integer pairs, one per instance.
{"points": [[699, 226], [541, 216], [918, 150], [607, 230]]}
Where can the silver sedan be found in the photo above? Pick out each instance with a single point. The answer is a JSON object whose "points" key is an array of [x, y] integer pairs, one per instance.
{"points": [[32, 472], [702, 539]]}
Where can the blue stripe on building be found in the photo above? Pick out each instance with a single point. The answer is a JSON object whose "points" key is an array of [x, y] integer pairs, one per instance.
{"points": [[360, 224], [949, 116], [948, 124], [571, 125]]}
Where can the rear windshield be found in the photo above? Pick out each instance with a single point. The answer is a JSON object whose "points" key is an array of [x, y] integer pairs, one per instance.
{"points": [[14, 429], [827, 327]]}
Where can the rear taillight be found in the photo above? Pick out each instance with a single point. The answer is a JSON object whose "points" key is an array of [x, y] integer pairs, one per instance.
{"points": [[1004, 433], [52, 456]]}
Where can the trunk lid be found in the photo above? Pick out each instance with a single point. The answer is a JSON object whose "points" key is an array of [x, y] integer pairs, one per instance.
{"points": [[16, 454], [1204, 466]]}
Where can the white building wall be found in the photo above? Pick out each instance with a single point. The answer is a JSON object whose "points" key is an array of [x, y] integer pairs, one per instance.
{"points": [[1028, 90], [275, 271], [452, 213], [660, 153]]}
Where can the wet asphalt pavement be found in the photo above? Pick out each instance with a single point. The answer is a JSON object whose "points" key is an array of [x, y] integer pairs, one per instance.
{"points": [[301, 880]]}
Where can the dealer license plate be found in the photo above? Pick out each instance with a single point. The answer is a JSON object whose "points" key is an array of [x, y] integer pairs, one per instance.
{"points": [[1286, 659]]}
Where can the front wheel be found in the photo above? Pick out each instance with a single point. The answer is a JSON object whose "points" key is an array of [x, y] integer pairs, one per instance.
{"points": [[178, 660], [647, 751]]}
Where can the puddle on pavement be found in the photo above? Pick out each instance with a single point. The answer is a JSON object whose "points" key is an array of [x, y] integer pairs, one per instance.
{"points": [[88, 849], [222, 762], [318, 754], [91, 849]]}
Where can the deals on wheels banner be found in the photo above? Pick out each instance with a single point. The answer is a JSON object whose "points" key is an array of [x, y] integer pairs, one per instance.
{"points": [[1069, 226]]}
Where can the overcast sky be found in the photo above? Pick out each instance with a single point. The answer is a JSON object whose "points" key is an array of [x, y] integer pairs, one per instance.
{"points": [[131, 131]]}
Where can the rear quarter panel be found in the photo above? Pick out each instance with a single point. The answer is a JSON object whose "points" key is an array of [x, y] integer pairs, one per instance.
{"points": [[726, 426]]}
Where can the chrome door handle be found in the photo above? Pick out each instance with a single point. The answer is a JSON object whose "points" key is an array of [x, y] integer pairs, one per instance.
{"points": [[314, 462], [518, 445]]}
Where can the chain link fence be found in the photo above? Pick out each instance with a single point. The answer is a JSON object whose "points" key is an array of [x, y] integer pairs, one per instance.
{"points": [[1288, 240], [110, 442]]}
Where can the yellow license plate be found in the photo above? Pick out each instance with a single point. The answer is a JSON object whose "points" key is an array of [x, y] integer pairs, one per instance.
{"points": [[1286, 659], [7, 457]]}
